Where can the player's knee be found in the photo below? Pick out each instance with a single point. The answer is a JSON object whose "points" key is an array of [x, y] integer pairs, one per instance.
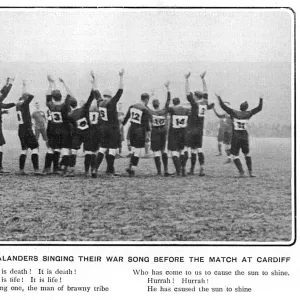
{"points": [[89, 152], [50, 151], [24, 152], [65, 151], [137, 152], [112, 152], [194, 151], [247, 154], [175, 153], [74, 152], [156, 153], [235, 157], [102, 150], [199, 150], [35, 151], [57, 150]]}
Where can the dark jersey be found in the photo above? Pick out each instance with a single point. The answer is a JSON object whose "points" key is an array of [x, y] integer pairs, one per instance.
{"points": [[4, 92], [23, 111], [94, 115], [139, 116], [159, 116], [108, 110], [79, 117], [179, 117], [240, 119], [198, 111], [39, 118]]}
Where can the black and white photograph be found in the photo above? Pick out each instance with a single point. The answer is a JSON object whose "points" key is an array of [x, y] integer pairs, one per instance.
{"points": [[159, 126]]}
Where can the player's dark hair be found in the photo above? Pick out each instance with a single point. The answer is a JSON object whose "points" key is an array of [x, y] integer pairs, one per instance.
{"points": [[155, 103], [56, 95], [198, 95], [176, 101], [244, 106], [145, 97]]}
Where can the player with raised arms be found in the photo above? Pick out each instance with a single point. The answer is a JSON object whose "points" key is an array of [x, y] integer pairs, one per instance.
{"points": [[177, 134], [139, 116], [25, 132], [3, 94], [240, 136], [79, 122], [39, 123], [110, 127], [224, 133], [159, 132], [92, 141]]}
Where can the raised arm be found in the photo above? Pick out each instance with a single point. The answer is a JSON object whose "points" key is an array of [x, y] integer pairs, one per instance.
{"points": [[221, 116], [52, 85], [167, 85], [67, 88], [187, 83], [258, 108], [202, 75], [6, 88], [6, 105], [126, 117], [224, 106], [119, 93]]}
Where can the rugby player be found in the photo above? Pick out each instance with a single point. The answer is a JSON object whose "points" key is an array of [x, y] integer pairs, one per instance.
{"points": [[224, 134], [58, 130], [121, 117], [139, 116], [92, 141], [25, 132], [109, 127], [39, 123], [3, 94], [194, 140], [240, 137], [177, 134], [79, 123], [159, 132]]}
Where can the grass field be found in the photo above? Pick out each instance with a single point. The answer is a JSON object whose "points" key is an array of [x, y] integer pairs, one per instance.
{"points": [[217, 207]]}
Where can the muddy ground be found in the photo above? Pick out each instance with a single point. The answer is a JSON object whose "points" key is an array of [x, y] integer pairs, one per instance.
{"points": [[217, 207]]}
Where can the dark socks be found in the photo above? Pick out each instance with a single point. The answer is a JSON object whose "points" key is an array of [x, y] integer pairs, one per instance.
{"points": [[22, 161], [48, 160], [35, 161], [110, 163], [1, 158], [99, 160], [176, 162], [157, 164], [56, 156], [201, 158], [249, 163], [72, 160], [87, 162], [193, 161], [93, 162], [134, 161], [239, 166], [165, 161]]}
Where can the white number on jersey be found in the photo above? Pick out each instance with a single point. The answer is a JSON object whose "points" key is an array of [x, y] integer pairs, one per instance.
{"points": [[103, 113], [135, 115], [56, 117], [179, 121], [20, 118], [49, 118], [202, 110], [240, 124], [158, 120], [94, 117], [82, 124]]}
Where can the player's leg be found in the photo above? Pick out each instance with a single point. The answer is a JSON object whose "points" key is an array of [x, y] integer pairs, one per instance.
{"points": [[235, 149], [156, 148], [174, 149], [104, 143], [76, 144], [193, 160], [220, 139], [114, 140], [246, 151], [164, 152], [2, 142], [23, 155], [201, 154], [44, 136], [34, 146], [227, 146]]}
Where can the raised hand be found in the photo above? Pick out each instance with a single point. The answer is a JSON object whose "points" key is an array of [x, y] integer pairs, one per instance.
{"points": [[202, 75], [187, 75], [93, 74], [167, 84], [121, 73], [49, 77], [24, 82], [61, 80]]}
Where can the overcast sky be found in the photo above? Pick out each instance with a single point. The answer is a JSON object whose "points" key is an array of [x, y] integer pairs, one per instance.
{"points": [[144, 35]]}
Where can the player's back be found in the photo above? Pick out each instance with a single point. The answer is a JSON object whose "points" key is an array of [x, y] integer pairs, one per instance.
{"points": [[108, 113], [79, 118], [179, 117], [139, 115]]}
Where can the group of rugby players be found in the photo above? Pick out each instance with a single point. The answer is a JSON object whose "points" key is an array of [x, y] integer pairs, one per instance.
{"points": [[175, 129]]}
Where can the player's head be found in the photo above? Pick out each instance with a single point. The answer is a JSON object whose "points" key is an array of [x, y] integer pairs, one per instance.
{"points": [[37, 105], [25, 96], [155, 103], [244, 106], [145, 98], [56, 95], [73, 102], [107, 94], [176, 101], [198, 95]]}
